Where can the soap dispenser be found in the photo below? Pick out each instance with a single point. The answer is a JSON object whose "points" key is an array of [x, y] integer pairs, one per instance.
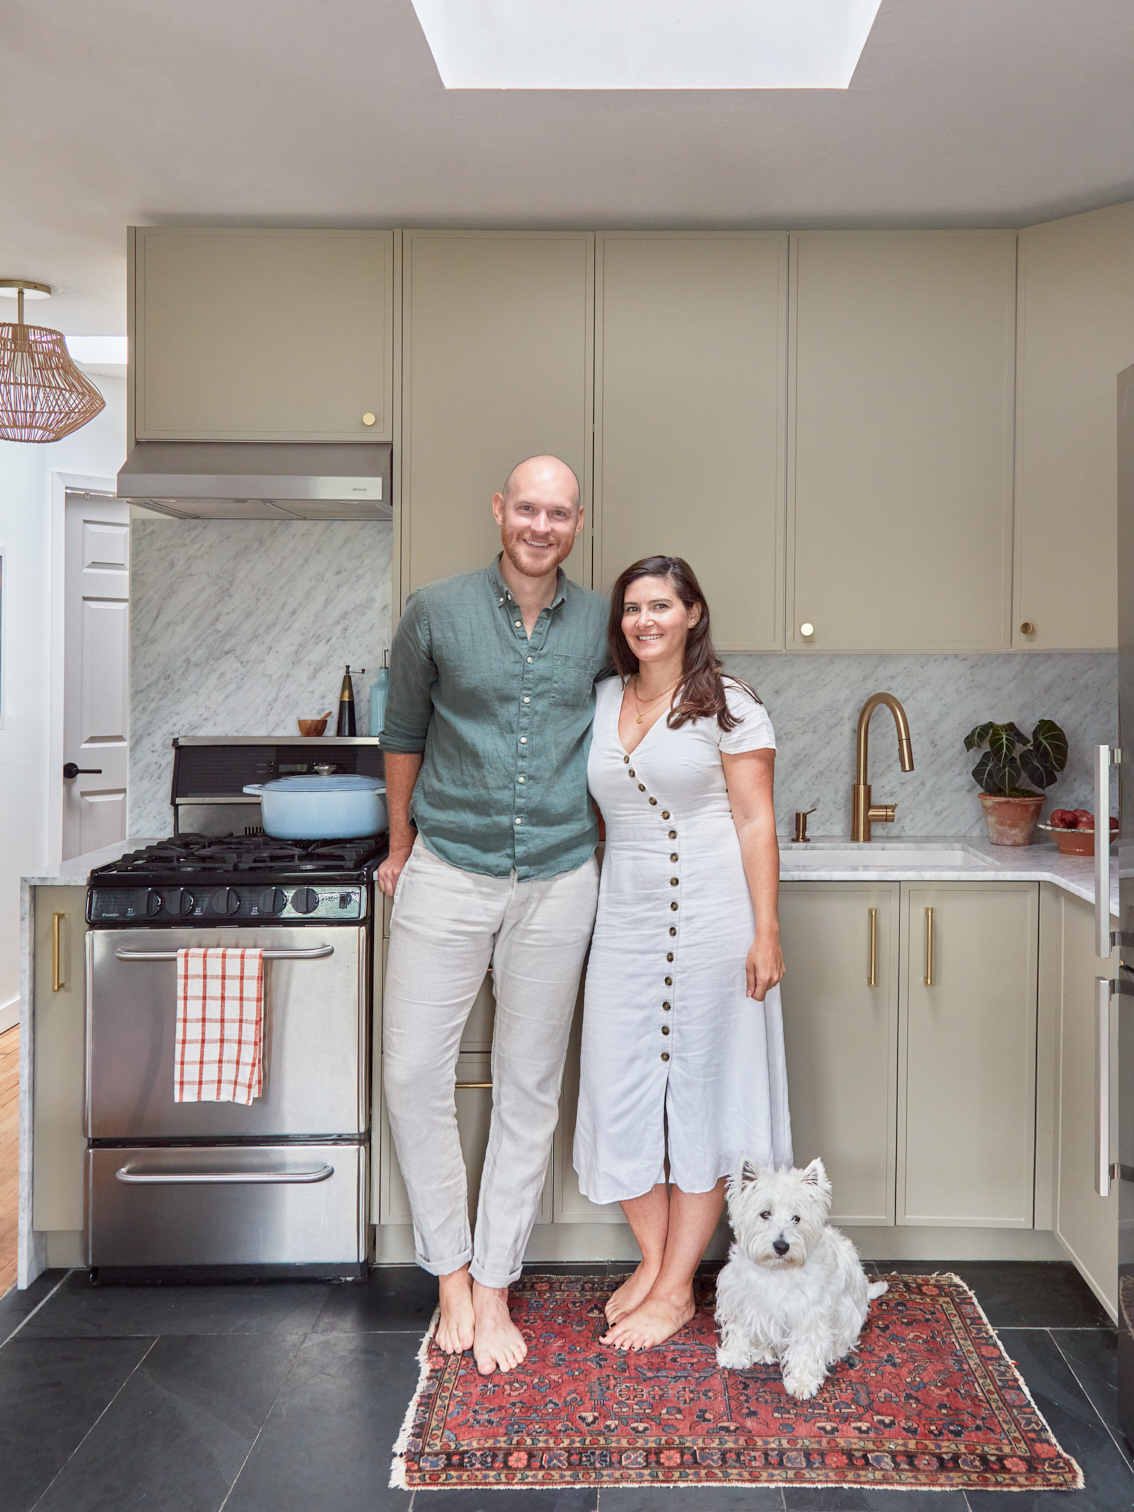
{"points": [[346, 724], [378, 690]]}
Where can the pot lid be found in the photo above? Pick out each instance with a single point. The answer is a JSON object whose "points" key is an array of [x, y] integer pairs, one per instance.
{"points": [[334, 782]]}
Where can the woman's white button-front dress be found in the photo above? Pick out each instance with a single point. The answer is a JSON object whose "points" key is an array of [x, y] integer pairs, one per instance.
{"points": [[676, 1059]]}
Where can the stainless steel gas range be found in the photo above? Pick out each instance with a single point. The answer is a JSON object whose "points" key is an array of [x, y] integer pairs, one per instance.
{"points": [[275, 1187]]}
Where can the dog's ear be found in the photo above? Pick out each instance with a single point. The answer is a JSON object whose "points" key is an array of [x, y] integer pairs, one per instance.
{"points": [[748, 1173], [815, 1174]]}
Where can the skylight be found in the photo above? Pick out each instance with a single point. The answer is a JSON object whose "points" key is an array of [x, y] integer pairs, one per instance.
{"points": [[646, 44]]}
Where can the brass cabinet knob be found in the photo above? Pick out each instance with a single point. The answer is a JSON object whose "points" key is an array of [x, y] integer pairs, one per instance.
{"points": [[1027, 628], [807, 630], [368, 418]]}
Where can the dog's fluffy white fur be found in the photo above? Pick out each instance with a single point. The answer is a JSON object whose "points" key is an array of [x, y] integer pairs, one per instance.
{"points": [[793, 1290]]}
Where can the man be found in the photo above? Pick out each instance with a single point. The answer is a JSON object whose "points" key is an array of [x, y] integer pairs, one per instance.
{"points": [[490, 702]]}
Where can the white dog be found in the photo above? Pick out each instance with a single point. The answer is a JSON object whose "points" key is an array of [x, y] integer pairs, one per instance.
{"points": [[793, 1290]]}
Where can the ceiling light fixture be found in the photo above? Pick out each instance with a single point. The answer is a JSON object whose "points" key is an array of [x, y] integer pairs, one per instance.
{"points": [[646, 44], [43, 395]]}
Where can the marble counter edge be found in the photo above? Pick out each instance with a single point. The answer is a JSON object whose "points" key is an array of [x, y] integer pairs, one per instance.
{"points": [[76, 870]]}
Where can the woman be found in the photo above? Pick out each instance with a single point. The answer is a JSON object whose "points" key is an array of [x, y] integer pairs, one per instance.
{"points": [[683, 1052]]}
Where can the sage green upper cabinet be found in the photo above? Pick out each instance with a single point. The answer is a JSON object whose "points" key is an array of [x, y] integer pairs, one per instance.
{"points": [[901, 385], [262, 335], [1076, 334], [690, 414], [497, 365]]}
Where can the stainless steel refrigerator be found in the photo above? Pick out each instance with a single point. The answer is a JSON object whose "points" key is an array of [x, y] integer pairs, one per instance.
{"points": [[1115, 1015]]}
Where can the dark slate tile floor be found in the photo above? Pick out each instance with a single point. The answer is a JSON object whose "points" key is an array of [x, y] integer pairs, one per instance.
{"points": [[287, 1397]]}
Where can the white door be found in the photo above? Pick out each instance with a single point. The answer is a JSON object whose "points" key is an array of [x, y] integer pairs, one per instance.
{"points": [[96, 694]]}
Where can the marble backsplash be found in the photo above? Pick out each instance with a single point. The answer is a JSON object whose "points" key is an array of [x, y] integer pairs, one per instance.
{"points": [[814, 703], [239, 627]]}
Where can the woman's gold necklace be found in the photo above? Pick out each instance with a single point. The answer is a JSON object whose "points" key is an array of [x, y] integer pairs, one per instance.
{"points": [[648, 705]]}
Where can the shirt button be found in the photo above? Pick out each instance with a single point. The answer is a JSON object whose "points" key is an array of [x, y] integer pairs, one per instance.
{"points": [[519, 779], [665, 1055], [516, 623], [523, 740], [665, 813], [529, 658], [527, 700], [519, 821], [673, 834], [501, 600], [653, 800], [673, 881], [673, 906], [665, 1028], [669, 957]]}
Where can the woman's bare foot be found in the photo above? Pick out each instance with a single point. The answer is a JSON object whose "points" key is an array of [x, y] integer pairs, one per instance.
{"points": [[632, 1293], [657, 1319], [456, 1325], [497, 1344]]}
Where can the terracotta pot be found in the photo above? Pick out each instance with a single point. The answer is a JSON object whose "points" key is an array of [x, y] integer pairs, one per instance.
{"points": [[1011, 821]]}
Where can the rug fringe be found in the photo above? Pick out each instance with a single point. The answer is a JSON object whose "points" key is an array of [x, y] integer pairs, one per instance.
{"points": [[398, 1479], [1080, 1479]]}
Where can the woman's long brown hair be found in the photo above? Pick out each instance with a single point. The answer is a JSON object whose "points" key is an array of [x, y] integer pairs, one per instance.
{"points": [[701, 691]]}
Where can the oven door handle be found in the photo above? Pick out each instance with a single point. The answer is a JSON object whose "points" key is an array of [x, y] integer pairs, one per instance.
{"points": [[309, 953], [140, 1176]]}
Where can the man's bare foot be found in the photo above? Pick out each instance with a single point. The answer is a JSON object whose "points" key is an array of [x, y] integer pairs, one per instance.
{"points": [[497, 1343], [632, 1293], [658, 1319], [455, 1327]]}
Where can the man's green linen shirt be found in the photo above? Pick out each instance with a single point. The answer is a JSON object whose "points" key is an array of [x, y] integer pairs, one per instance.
{"points": [[503, 722]]}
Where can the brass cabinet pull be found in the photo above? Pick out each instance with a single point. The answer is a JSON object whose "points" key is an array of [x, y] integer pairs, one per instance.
{"points": [[872, 978], [470, 1086], [57, 982], [929, 947]]}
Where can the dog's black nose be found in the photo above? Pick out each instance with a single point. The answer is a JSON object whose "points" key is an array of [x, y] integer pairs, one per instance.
{"points": [[781, 1246]]}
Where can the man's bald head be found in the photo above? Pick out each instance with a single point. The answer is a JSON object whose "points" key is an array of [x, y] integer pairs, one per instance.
{"points": [[539, 472]]}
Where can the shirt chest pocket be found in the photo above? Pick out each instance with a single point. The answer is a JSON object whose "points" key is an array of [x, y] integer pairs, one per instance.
{"points": [[572, 680]]}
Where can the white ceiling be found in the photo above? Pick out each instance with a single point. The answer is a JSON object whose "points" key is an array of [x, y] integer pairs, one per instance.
{"points": [[985, 112]]}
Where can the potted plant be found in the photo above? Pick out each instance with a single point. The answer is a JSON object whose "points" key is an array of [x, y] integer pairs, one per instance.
{"points": [[1011, 810]]}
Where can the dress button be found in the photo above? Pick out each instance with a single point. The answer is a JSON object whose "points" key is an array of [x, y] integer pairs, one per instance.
{"points": [[673, 881], [665, 1028], [673, 856], [673, 834], [665, 813], [669, 957], [625, 761], [669, 981], [666, 1004], [673, 931], [665, 1055], [653, 800], [673, 908], [641, 787], [630, 773]]}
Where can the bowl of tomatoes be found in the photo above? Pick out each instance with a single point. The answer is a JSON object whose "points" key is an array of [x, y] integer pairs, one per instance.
{"points": [[1073, 830]]}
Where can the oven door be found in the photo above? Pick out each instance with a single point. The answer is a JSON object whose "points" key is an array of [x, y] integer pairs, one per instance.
{"points": [[315, 1028]]}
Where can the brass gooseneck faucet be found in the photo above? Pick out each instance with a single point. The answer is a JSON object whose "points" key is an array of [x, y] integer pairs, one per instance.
{"points": [[863, 812]]}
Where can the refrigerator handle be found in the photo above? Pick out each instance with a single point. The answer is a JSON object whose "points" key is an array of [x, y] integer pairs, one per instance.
{"points": [[1105, 758], [1106, 1080]]}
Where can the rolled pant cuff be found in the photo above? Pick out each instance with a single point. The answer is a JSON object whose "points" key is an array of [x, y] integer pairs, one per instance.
{"points": [[443, 1267], [494, 1280]]}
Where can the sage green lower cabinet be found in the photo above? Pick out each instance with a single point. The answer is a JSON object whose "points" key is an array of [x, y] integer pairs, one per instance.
{"points": [[967, 1062], [841, 1030]]}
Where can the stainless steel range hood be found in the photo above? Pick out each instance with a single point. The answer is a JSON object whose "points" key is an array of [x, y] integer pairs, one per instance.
{"points": [[237, 480]]}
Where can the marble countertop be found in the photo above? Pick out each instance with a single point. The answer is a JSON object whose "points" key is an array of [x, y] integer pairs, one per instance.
{"points": [[823, 859], [966, 858]]}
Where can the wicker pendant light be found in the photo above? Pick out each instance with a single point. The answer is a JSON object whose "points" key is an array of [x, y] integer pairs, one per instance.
{"points": [[43, 395]]}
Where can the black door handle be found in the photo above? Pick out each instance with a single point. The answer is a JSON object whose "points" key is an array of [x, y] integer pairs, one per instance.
{"points": [[72, 769]]}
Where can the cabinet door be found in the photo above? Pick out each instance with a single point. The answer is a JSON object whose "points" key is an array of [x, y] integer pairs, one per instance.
{"points": [[841, 1031], [497, 365], [900, 440], [1086, 1223], [1076, 333], [58, 1067], [262, 335], [967, 1068], [690, 417]]}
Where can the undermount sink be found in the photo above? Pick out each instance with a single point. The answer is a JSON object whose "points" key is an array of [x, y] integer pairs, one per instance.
{"points": [[892, 858]]}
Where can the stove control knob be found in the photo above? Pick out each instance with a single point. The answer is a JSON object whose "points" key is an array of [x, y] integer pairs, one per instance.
{"points": [[305, 900], [225, 901], [182, 902], [153, 902], [272, 900]]}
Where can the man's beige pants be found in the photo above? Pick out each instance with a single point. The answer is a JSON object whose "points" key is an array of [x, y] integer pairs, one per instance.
{"points": [[447, 926]]}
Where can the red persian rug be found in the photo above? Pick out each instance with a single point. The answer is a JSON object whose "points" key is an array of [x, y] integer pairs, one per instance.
{"points": [[928, 1399]]}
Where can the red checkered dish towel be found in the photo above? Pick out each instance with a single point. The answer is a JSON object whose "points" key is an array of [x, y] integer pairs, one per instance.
{"points": [[218, 1055]]}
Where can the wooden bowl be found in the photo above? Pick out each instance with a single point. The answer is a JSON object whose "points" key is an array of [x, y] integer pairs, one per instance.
{"points": [[1073, 842], [313, 726]]}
